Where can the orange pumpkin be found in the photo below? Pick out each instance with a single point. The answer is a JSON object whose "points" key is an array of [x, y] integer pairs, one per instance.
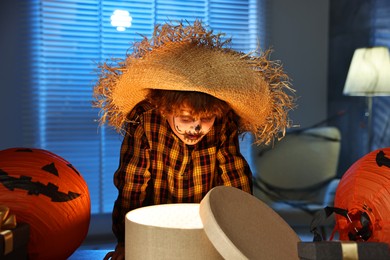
{"points": [[364, 193], [47, 192]]}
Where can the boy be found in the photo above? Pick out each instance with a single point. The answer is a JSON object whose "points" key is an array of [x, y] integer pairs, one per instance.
{"points": [[182, 98]]}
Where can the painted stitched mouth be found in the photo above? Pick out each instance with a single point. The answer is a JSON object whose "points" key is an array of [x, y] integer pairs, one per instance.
{"points": [[193, 137]]}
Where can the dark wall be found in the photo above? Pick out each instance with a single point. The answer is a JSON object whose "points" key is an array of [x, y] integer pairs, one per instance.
{"points": [[298, 32], [14, 64], [351, 27]]}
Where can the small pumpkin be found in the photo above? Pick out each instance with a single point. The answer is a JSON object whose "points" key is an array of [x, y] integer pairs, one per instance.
{"points": [[364, 194], [47, 192]]}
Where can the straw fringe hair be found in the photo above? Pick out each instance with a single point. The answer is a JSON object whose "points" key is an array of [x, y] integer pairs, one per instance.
{"points": [[191, 58]]}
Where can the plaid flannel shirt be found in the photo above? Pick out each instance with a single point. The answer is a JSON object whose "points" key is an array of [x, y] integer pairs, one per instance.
{"points": [[156, 167]]}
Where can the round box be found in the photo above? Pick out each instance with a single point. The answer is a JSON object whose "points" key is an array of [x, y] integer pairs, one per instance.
{"points": [[168, 231], [228, 223]]}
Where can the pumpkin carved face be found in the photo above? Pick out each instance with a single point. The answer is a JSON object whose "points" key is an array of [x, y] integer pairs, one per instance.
{"points": [[364, 193], [47, 192]]}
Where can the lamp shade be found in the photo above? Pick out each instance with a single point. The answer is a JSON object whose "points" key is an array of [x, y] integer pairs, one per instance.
{"points": [[369, 73]]}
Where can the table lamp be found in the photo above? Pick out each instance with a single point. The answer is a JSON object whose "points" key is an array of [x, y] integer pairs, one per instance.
{"points": [[369, 76]]}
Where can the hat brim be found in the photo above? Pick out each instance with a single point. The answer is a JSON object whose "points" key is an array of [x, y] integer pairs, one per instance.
{"points": [[253, 86], [187, 67]]}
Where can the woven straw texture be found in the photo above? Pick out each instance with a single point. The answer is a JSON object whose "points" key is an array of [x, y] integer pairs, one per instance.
{"points": [[190, 58]]}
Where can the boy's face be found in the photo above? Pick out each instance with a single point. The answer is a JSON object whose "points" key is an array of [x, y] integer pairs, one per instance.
{"points": [[189, 128]]}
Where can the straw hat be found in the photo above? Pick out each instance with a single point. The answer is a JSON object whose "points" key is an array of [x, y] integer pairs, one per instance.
{"points": [[191, 58]]}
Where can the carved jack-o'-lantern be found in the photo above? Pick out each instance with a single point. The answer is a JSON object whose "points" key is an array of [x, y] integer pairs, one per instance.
{"points": [[47, 192], [364, 194]]}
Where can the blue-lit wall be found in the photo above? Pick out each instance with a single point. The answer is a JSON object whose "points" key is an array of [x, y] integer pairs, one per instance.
{"points": [[352, 26], [13, 64]]}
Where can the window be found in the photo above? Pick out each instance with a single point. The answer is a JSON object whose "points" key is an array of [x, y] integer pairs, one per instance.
{"points": [[381, 105], [69, 38]]}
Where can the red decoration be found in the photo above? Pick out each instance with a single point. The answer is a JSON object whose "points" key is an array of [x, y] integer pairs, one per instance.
{"points": [[47, 192], [364, 192]]}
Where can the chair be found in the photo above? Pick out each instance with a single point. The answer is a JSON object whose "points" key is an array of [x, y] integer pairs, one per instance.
{"points": [[297, 175]]}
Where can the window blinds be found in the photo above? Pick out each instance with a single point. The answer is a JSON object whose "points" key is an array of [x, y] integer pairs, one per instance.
{"points": [[381, 105], [68, 39]]}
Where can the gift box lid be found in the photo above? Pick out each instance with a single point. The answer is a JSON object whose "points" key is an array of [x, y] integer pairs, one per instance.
{"points": [[228, 223], [240, 226]]}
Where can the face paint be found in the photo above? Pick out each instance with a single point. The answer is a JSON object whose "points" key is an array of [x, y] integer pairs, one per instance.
{"points": [[188, 128]]}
